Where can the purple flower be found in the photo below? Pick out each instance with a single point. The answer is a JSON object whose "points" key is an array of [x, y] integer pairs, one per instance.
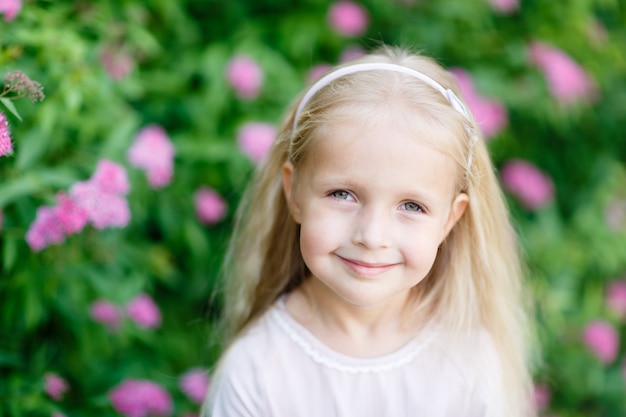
{"points": [[616, 297], [140, 398], [55, 386], [567, 81], [106, 313], [615, 215], [10, 9], [348, 18], [45, 230], [532, 188], [111, 177], [602, 340], [103, 209], [210, 206], [6, 146], [491, 116], [245, 76], [153, 152], [504, 6], [255, 139], [143, 311], [195, 384]]}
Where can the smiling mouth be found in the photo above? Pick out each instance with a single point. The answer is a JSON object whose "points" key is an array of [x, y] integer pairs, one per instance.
{"points": [[365, 268]]}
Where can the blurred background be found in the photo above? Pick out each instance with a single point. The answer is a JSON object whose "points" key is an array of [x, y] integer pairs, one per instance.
{"points": [[129, 128]]}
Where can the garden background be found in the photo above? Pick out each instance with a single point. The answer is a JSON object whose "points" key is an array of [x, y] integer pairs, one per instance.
{"points": [[162, 108]]}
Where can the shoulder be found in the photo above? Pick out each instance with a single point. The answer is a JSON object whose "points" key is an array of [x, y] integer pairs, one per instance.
{"points": [[237, 386]]}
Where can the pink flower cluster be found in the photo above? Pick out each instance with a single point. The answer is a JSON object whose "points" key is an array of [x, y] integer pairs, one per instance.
{"points": [[348, 18], [142, 310], [99, 201], [567, 81], [245, 76], [6, 147], [153, 152], [504, 6], [602, 340], [616, 297], [118, 64], [10, 9], [542, 396], [255, 139], [195, 384], [491, 115], [55, 386], [140, 398], [530, 186], [210, 206]]}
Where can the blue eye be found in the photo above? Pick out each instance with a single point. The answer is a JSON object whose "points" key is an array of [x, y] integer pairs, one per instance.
{"points": [[341, 194], [412, 206]]}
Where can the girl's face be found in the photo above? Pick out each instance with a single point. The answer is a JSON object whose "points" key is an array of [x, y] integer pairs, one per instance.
{"points": [[374, 204]]}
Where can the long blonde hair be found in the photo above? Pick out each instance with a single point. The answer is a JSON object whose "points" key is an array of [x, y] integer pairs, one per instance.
{"points": [[476, 279]]}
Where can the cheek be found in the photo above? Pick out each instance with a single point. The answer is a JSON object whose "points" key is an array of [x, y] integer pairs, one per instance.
{"points": [[321, 234]]}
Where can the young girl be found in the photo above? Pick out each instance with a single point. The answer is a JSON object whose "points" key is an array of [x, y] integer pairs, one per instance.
{"points": [[373, 270]]}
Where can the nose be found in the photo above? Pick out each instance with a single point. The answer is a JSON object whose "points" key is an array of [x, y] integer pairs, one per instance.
{"points": [[373, 228]]}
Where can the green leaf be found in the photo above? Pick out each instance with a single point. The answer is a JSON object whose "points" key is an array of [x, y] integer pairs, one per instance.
{"points": [[11, 107]]}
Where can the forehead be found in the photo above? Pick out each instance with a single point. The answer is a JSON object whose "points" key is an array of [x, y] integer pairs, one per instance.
{"points": [[388, 153]]}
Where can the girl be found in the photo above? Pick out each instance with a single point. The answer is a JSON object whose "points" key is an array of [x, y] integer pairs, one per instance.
{"points": [[373, 269]]}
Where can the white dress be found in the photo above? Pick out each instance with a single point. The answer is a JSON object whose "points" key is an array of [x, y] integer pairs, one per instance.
{"points": [[278, 368]]}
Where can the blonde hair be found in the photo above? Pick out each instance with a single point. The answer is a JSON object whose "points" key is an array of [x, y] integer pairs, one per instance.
{"points": [[476, 280]]}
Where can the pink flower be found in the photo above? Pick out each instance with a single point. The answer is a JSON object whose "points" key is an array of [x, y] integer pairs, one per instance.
{"points": [[567, 81], [348, 18], [542, 396], [245, 76], [140, 398], [255, 139], [106, 313], [615, 215], [195, 384], [71, 216], [352, 52], [153, 152], [210, 206], [505, 6], [45, 230], [111, 177], [616, 297], [491, 116], [117, 63], [6, 147], [143, 311], [10, 8], [103, 209], [55, 386], [317, 72], [602, 340], [532, 188]]}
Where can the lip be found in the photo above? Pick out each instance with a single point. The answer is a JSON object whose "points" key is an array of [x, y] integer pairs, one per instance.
{"points": [[366, 269]]}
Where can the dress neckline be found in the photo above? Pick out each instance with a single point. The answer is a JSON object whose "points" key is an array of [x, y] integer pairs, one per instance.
{"points": [[330, 358]]}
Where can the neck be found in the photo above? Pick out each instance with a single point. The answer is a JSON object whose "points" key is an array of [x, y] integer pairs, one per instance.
{"points": [[352, 329]]}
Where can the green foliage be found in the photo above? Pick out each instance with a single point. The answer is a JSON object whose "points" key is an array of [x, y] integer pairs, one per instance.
{"points": [[180, 50]]}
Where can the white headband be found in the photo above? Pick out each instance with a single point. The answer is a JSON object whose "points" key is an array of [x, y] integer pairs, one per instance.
{"points": [[452, 98]]}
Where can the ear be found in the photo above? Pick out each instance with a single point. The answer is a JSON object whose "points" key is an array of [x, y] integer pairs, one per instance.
{"points": [[289, 190], [456, 212]]}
